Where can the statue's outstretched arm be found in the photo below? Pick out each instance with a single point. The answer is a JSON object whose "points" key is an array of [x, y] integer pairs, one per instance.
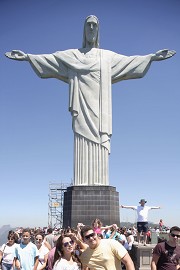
{"points": [[17, 55], [162, 55]]}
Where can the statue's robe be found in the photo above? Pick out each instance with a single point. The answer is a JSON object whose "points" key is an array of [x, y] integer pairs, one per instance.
{"points": [[90, 74]]}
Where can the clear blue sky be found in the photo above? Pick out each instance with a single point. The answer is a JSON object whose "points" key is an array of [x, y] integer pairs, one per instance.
{"points": [[36, 140]]}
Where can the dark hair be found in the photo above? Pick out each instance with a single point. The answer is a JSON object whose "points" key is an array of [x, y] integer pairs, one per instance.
{"points": [[13, 235], [174, 228], [40, 233], [26, 230], [85, 229], [59, 250], [49, 230], [100, 235]]}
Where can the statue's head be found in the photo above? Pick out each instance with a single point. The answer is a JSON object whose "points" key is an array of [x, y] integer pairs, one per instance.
{"points": [[91, 32]]}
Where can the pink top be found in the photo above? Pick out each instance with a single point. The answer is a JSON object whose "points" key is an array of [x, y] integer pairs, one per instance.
{"points": [[97, 230]]}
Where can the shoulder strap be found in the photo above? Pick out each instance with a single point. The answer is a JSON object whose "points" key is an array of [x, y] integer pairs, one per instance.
{"points": [[4, 248], [3, 251]]}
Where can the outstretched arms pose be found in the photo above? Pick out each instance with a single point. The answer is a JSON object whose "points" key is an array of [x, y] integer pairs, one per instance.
{"points": [[158, 56]]}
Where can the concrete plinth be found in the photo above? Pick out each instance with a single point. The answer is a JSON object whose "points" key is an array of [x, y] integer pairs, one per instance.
{"points": [[85, 203], [141, 256]]}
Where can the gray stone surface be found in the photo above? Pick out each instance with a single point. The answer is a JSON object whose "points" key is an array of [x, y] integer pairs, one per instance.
{"points": [[90, 72], [85, 203], [141, 256]]}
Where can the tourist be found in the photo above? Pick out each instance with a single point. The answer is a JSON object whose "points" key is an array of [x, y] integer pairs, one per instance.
{"points": [[49, 237], [41, 232], [115, 234], [52, 252], [43, 251], [98, 226], [106, 233], [166, 255], [148, 234], [142, 218], [65, 257], [7, 251], [130, 240], [161, 225], [103, 253], [26, 253]]}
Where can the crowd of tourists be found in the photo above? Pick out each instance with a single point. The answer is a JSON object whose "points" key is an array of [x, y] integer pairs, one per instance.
{"points": [[82, 248], [64, 249]]}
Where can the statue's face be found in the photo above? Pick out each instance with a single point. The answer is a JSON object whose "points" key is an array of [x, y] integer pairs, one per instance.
{"points": [[91, 30]]}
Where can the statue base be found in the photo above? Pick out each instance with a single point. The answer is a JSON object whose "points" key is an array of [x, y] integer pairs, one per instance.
{"points": [[82, 204], [141, 256]]}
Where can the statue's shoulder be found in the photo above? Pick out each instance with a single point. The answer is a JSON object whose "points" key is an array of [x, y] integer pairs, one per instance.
{"points": [[68, 51], [66, 54]]}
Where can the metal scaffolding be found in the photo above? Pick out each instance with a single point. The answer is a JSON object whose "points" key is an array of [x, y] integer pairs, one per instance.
{"points": [[55, 205]]}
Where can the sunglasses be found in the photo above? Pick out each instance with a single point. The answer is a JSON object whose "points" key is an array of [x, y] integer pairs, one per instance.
{"points": [[175, 235], [87, 237], [67, 243]]}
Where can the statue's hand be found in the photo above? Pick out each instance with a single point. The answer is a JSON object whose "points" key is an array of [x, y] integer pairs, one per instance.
{"points": [[16, 55], [162, 55]]}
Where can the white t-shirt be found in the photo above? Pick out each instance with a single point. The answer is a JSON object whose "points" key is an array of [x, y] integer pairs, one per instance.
{"points": [[42, 252], [62, 264], [26, 254], [8, 253], [142, 213], [130, 240]]}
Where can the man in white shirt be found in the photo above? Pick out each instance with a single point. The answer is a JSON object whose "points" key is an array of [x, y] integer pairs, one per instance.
{"points": [[142, 218]]}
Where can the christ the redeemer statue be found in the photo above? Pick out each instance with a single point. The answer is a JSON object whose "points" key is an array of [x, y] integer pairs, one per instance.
{"points": [[90, 73]]}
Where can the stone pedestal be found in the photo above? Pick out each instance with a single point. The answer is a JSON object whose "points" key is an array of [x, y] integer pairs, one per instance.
{"points": [[141, 256], [85, 203]]}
